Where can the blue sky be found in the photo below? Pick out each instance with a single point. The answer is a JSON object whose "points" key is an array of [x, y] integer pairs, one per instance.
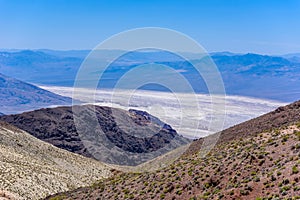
{"points": [[258, 26]]}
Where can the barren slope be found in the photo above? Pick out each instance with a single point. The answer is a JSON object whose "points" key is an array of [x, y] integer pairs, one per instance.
{"points": [[33, 169], [262, 167]]}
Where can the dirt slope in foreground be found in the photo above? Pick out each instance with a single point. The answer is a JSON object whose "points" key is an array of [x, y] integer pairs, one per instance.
{"points": [[32, 169], [262, 167]]}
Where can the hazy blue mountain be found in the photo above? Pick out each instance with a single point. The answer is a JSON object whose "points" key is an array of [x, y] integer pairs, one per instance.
{"points": [[17, 96], [294, 57], [260, 76], [51, 67], [223, 53], [138, 57], [253, 75], [39, 67], [68, 53]]}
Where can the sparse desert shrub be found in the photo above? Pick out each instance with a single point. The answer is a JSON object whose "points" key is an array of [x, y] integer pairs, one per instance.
{"points": [[296, 188], [59, 197], [261, 156], [285, 188], [297, 134], [179, 192], [261, 162], [273, 178], [126, 191], [295, 169], [285, 138], [244, 192], [286, 181], [267, 185], [248, 187], [253, 173], [256, 179]]}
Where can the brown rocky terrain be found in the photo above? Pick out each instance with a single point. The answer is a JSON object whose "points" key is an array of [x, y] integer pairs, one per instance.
{"points": [[32, 169], [262, 167], [258, 159]]}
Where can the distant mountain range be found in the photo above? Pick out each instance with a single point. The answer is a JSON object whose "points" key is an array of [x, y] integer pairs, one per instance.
{"points": [[17, 96], [294, 57], [262, 76]]}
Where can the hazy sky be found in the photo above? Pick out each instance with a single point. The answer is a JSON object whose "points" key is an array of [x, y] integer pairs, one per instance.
{"points": [[259, 26]]}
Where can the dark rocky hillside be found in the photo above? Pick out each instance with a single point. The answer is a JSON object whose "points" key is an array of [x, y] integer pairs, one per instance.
{"points": [[119, 132]]}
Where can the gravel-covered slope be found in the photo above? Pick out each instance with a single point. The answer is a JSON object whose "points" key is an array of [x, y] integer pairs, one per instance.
{"points": [[32, 169]]}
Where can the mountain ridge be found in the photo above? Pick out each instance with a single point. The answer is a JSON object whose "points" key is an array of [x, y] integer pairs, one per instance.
{"points": [[250, 71], [17, 96]]}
